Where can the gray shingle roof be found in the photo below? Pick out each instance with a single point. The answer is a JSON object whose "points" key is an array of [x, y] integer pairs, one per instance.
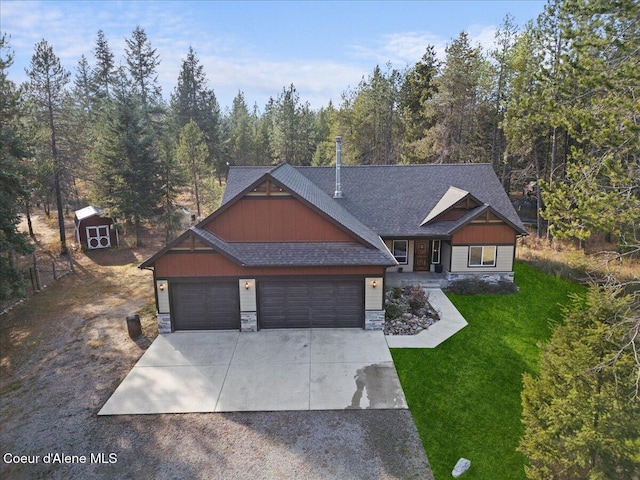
{"points": [[393, 200], [239, 178], [286, 254]]}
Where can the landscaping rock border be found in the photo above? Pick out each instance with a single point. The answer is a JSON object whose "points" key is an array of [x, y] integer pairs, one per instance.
{"points": [[407, 311]]}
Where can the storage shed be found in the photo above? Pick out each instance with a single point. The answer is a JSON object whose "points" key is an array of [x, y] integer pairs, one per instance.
{"points": [[95, 230]]}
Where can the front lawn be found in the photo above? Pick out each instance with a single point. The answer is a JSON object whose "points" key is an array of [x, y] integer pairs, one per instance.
{"points": [[464, 395]]}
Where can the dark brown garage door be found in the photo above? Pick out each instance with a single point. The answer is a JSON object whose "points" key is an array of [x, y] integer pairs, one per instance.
{"points": [[205, 306], [304, 303]]}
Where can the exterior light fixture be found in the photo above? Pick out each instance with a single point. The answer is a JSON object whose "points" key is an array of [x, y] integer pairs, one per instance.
{"points": [[374, 284], [247, 285], [162, 287]]}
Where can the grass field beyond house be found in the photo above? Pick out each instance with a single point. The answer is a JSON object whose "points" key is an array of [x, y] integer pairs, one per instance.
{"points": [[464, 395]]}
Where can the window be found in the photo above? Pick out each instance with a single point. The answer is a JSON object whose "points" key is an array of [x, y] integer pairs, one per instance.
{"points": [[435, 251], [482, 256], [400, 249]]}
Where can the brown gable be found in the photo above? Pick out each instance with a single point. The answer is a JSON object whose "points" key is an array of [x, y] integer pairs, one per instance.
{"points": [[484, 233], [274, 219]]}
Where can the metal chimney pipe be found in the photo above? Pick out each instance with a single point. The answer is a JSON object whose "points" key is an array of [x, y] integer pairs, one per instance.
{"points": [[338, 192]]}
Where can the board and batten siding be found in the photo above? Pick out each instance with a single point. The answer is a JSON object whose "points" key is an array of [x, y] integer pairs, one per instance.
{"points": [[484, 233], [278, 219], [460, 260]]}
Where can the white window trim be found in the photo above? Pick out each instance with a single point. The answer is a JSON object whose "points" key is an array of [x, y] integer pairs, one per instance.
{"points": [[434, 251], [393, 251], [481, 264]]}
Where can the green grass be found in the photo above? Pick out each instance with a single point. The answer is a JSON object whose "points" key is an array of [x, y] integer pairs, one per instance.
{"points": [[464, 395]]}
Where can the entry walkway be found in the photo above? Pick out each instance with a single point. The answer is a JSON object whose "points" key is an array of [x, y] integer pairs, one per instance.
{"points": [[229, 371], [449, 324]]}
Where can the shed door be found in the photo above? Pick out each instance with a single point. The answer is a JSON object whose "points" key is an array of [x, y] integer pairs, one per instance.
{"points": [[305, 303], [205, 306], [98, 237]]}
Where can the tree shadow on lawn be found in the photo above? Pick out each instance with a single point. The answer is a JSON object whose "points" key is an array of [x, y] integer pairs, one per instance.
{"points": [[112, 257]]}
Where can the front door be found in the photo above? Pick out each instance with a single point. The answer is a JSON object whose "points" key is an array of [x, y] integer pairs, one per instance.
{"points": [[421, 256]]}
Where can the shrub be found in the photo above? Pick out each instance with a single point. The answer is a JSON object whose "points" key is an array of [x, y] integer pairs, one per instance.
{"points": [[472, 286], [393, 311], [417, 299]]}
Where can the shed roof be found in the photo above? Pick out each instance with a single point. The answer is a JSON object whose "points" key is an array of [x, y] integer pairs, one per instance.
{"points": [[88, 212]]}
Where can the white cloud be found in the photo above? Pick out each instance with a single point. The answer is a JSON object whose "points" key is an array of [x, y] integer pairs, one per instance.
{"points": [[317, 81], [483, 35], [400, 49]]}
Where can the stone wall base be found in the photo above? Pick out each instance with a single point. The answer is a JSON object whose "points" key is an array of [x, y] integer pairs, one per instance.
{"points": [[164, 323], [248, 322], [374, 320], [492, 278]]}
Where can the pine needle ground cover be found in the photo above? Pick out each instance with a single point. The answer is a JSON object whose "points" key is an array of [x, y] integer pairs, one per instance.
{"points": [[464, 395]]}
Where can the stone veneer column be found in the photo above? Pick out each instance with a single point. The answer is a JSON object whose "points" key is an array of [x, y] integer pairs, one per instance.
{"points": [[164, 323], [374, 320]]}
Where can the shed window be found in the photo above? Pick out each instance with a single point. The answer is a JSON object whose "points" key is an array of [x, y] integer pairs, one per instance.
{"points": [[400, 249], [484, 256]]}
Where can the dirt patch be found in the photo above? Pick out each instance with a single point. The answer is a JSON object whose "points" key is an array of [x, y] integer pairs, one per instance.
{"points": [[65, 350]]}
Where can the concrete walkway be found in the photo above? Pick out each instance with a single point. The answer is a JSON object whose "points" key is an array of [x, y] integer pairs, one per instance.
{"points": [[292, 369], [449, 324]]}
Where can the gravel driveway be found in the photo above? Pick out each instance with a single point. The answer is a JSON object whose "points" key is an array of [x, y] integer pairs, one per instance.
{"points": [[64, 352]]}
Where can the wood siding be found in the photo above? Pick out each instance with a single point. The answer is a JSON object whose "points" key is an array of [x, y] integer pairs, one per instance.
{"points": [[269, 219], [209, 264], [485, 234]]}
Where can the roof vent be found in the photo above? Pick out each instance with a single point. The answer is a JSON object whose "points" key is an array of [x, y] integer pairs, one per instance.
{"points": [[338, 192]]}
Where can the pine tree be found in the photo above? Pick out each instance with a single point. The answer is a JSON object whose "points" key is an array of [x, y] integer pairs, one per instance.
{"points": [[293, 138], [502, 73], [103, 75], [192, 154], [192, 99], [455, 108], [47, 81], [582, 412], [242, 133], [142, 62], [418, 87], [13, 194], [129, 180], [600, 188], [374, 132]]}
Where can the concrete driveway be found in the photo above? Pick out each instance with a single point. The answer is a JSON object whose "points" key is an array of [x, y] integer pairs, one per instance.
{"points": [[229, 371]]}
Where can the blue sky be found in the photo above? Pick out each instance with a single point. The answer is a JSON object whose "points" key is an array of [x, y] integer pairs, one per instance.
{"points": [[323, 47]]}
